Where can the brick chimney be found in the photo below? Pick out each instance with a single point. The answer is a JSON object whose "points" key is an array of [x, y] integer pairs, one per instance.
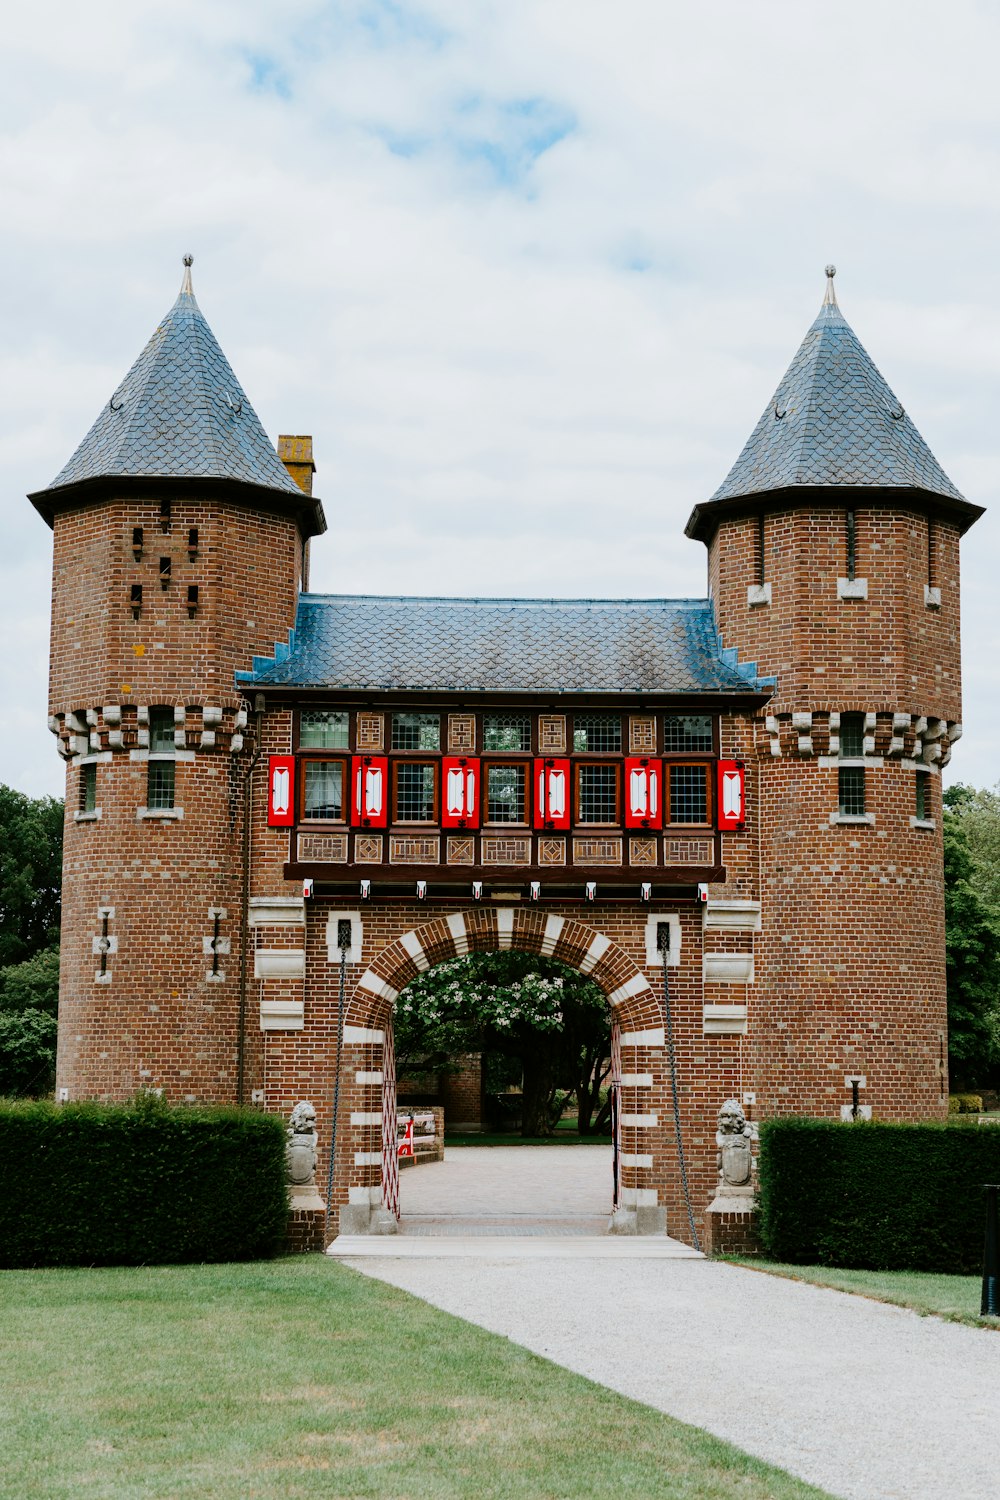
{"points": [[296, 453]]}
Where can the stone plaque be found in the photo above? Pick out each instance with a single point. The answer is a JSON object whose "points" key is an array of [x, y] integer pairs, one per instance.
{"points": [[642, 735], [412, 849], [552, 734], [688, 851], [325, 848], [370, 731], [642, 851], [461, 851], [461, 733], [368, 848], [551, 851], [506, 849], [597, 851]]}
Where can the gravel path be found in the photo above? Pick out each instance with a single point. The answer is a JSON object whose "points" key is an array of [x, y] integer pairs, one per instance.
{"points": [[869, 1401]]}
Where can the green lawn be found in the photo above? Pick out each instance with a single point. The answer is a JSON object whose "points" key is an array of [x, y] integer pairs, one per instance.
{"points": [[953, 1297], [302, 1378]]}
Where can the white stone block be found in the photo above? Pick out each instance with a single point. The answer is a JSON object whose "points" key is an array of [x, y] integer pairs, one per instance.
{"points": [[357, 936], [277, 911], [731, 915], [626, 991], [637, 1080], [758, 595], [366, 1117], [727, 968], [852, 588], [550, 937], [724, 1020], [654, 958], [279, 963], [641, 1122], [371, 982], [282, 1015], [505, 926], [932, 596], [598, 947], [654, 1036], [460, 937], [363, 1036], [412, 945]]}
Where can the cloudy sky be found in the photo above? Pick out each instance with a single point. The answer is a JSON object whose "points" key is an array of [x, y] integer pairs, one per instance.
{"points": [[528, 270]]}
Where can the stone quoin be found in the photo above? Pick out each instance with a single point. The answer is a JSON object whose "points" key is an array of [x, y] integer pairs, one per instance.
{"points": [[269, 791]]}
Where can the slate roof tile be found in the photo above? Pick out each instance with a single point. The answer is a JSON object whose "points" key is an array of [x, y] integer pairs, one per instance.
{"points": [[355, 643], [834, 421], [180, 412]]}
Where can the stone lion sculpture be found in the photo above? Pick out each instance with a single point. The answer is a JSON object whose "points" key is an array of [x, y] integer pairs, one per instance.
{"points": [[734, 1157], [302, 1139]]}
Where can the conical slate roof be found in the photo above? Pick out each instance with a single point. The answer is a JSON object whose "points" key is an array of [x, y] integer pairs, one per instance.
{"points": [[180, 413], [834, 421]]}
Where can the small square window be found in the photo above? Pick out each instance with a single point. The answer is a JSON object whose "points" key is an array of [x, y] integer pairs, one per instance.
{"points": [[506, 732], [851, 785], [88, 788], [416, 731], [323, 790], [852, 736], [320, 729], [505, 789], [687, 732], [922, 799], [597, 794], [687, 794], [415, 787], [161, 731], [160, 784], [600, 732]]}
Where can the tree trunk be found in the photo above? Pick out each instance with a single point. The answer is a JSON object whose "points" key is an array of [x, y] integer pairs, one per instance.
{"points": [[539, 1089]]}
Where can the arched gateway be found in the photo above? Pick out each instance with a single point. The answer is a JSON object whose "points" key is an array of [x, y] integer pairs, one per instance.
{"points": [[369, 1160]]}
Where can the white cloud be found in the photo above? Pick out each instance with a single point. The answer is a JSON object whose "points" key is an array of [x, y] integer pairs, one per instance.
{"points": [[527, 271]]}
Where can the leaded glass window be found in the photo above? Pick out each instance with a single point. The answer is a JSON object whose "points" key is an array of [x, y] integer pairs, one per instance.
{"points": [[415, 786], [688, 794], [852, 736], [160, 784], [416, 731], [323, 729], [687, 732], [506, 732], [597, 732], [161, 731], [851, 788], [597, 794], [323, 790], [505, 794], [88, 788]]}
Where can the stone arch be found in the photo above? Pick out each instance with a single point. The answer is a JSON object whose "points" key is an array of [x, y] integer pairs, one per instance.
{"points": [[635, 1008]]}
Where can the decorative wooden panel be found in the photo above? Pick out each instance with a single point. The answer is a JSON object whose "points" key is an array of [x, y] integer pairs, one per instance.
{"points": [[461, 851], [371, 731], [368, 848], [461, 733], [552, 734], [410, 849], [327, 848], [597, 851], [642, 734], [506, 849], [551, 851], [642, 851], [688, 851]]}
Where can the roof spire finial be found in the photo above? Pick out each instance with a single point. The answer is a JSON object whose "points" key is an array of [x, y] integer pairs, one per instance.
{"points": [[187, 290], [830, 297]]}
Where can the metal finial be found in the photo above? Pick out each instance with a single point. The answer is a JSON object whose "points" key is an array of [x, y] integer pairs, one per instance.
{"points": [[186, 287], [830, 297]]}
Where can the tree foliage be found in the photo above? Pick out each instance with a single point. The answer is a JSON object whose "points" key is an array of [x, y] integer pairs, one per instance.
{"points": [[972, 923], [30, 880], [537, 1010]]}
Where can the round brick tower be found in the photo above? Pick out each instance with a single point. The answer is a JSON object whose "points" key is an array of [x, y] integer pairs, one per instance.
{"points": [[180, 543], [833, 557]]}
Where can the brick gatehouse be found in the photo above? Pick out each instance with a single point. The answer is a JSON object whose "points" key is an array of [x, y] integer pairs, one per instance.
{"points": [[752, 777]]}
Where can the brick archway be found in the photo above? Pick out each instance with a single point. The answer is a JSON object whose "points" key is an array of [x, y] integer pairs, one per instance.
{"points": [[634, 1005]]}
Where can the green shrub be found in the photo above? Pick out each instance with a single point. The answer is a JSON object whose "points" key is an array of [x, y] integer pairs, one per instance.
{"points": [[96, 1184], [965, 1104], [876, 1197]]}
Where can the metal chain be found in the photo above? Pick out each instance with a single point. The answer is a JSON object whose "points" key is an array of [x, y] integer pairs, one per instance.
{"points": [[671, 1058], [336, 1094]]}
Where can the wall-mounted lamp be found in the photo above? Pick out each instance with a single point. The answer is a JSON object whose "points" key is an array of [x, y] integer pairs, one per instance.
{"points": [[421, 890], [535, 889], [307, 890], [366, 890], [477, 890], [590, 890], [645, 891]]}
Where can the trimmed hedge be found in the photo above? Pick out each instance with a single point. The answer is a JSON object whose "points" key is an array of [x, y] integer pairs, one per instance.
{"points": [[142, 1184], [876, 1197]]}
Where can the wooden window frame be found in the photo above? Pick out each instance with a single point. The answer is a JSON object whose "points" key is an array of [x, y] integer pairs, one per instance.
{"points": [[404, 758], [705, 765], [525, 765], [346, 786], [429, 713], [519, 713], [577, 766], [596, 713]]}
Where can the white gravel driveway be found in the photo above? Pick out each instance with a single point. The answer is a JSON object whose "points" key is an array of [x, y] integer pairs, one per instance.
{"points": [[869, 1401]]}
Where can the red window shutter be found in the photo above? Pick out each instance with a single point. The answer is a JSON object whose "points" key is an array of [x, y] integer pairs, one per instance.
{"points": [[552, 793], [730, 801], [643, 793], [459, 792], [281, 791], [370, 795]]}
